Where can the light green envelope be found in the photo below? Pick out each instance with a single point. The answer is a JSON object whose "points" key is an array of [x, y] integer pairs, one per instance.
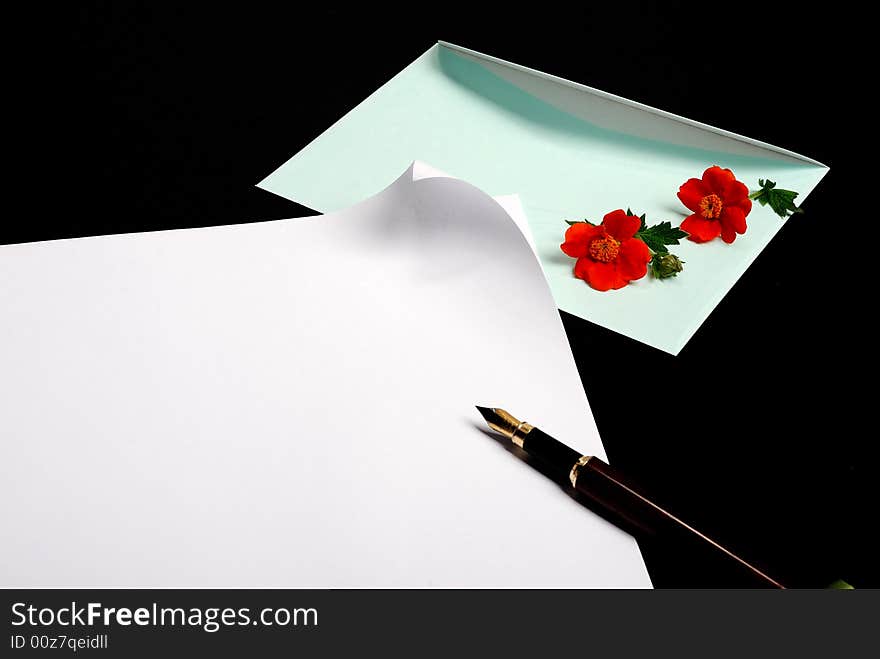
{"points": [[569, 152]]}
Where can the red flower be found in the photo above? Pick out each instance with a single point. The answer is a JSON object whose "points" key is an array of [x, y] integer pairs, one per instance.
{"points": [[608, 256], [719, 203]]}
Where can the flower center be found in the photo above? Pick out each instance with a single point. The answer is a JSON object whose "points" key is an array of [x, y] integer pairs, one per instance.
{"points": [[710, 206], [604, 249]]}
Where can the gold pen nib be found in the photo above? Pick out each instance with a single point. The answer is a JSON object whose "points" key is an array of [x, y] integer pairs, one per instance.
{"points": [[499, 420], [505, 423]]}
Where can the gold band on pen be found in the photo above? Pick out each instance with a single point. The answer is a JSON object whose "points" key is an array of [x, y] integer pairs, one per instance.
{"points": [[519, 434], [573, 474]]}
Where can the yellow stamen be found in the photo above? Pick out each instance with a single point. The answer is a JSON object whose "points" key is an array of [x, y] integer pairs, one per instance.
{"points": [[710, 206], [604, 249]]}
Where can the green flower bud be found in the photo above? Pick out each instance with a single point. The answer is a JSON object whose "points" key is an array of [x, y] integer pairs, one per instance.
{"points": [[667, 265]]}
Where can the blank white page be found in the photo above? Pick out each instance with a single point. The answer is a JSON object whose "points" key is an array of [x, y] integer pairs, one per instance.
{"points": [[291, 404]]}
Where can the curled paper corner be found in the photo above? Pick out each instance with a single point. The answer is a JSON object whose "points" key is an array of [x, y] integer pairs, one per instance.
{"points": [[422, 170], [511, 203]]}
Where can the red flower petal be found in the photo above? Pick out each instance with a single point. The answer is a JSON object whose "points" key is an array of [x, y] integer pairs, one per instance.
{"points": [[716, 179], [734, 217], [621, 226], [734, 191], [578, 238], [700, 229], [743, 204], [691, 192], [601, 276], [733, 221], [633, 259]]}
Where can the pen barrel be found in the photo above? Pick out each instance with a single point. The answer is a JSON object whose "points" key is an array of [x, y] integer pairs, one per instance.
{"points": [[600, 482], [555, 457], [604, 485]]}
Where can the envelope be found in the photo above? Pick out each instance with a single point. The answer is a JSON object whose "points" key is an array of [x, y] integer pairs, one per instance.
{"points": [[570, 152]]}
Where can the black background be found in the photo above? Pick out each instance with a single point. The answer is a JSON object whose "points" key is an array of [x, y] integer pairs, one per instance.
{"points": [[136, 119]]}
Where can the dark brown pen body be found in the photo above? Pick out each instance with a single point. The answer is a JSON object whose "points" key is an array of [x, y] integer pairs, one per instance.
{"points": [[618, 499]]}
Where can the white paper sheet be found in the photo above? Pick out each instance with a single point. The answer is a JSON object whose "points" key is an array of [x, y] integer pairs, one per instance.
{"points": [[291, 404]]}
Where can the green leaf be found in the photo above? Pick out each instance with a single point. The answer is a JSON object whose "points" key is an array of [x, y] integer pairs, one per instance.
{"points": [[571, 223], [781, 201], [660, 235], [840, 584]]}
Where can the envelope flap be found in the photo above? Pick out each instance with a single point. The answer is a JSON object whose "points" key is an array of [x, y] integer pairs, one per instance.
{"points": [[623, 115]]}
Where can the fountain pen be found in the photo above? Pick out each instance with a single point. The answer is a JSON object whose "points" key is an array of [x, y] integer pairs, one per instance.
{"points": [[617, 499]]}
